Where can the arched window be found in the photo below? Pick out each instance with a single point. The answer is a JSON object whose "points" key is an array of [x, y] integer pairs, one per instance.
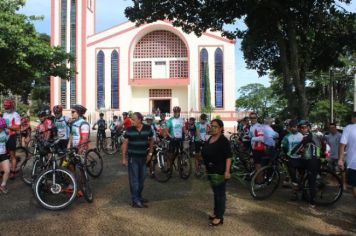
{"points": [[203, 73], [115, 80], [100, 80], [219, 79]]}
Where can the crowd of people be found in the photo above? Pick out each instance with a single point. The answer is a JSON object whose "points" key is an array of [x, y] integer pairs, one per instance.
{"points": [[303, 148]]}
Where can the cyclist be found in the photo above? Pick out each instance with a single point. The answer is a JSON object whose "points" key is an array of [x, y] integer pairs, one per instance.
{"points": [[102, 126], [115, 126], [162, 125], [176, 130], [25, 129], [13, 123], [80, 129], [127, 120], [311, 150], [62, 124], [269, 138], [45, 126], [256, 136], [4, 157], [201, 137], [150, 121]]}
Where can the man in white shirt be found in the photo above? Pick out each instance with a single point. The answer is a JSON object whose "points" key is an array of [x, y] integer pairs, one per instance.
{"points": [[333, 139], [348, 140]]}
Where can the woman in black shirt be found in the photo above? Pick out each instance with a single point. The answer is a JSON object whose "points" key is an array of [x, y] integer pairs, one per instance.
{"points": [[216, 154]]}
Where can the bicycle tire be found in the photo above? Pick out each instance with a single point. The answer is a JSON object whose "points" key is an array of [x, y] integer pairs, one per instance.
{"points": [[94, 163], [31, 146], [184, 165], [327, 182], [21, 156], [84, 184], [61, 188], [161, 168], [30, 169], [264, 182], [110, 146]]}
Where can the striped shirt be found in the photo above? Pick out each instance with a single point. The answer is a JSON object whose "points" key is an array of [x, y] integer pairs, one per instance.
{"points": [[138, 141]]}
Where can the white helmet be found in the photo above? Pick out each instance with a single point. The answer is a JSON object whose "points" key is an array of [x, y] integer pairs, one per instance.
{"points": [[150, 117]]}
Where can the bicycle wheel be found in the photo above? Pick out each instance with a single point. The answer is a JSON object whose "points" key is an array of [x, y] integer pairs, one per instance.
{"points": [[184, 165], [110, 146], [94, 163], [30, 169], [264, 182], [329, 188], [55, 189], [21, 156], [31, 146], [161, 168], [84, 184]]}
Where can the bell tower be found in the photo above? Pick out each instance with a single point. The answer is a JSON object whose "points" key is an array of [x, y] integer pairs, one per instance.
{"points": [[72, 21]]}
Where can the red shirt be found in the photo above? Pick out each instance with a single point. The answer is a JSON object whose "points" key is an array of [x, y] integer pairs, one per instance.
{"points": [[44, 128], [127, 122]]}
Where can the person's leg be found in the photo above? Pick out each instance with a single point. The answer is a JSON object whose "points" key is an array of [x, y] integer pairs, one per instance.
{"points": [[219, 202], [351, 174], [142, 176], [312, 166], [5, 167], [133, 170]]}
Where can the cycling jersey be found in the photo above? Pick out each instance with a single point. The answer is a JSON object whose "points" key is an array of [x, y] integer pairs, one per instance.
{"points": [[127, 123], [3, 139], [62, 126], [45, 127], [256, 135], [114, 124], [80, 129], [192, 130], [12, 119], [175, 127], [290, 141], [101, 123], [203, 130]]}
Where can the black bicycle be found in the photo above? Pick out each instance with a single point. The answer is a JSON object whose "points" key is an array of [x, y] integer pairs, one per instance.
{"points": [[112, 144], [100, 140], [179, 160], [159, 165]]}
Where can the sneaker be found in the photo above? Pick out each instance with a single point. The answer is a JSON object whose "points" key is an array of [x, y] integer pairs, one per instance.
{"points": [[4, 189]]}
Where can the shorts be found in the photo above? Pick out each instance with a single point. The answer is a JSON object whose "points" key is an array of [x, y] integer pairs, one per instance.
{"points": [[4, 157], [351, 173], [257, 156], [11, 143]]}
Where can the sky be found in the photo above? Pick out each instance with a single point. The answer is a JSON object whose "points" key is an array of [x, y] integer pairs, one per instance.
{"points": [[111, 13]]}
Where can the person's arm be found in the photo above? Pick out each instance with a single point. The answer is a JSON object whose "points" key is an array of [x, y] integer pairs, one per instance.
{"points": [[124, 151], [150, 149], [227, 168], [341, 162]]}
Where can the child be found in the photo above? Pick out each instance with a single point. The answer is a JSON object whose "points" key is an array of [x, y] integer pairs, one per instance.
{"points": [[4, 157]]}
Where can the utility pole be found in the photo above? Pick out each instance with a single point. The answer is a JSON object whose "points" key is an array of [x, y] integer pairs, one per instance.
{"points": [[331, 96]]}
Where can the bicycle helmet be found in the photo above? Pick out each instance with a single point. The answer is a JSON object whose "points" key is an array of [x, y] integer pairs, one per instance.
{"points": [[101, 114], [176, 109], [203, 116], [79, 109], [293, 123], [57, 109], [41, 113], [8, 104], [303, 122], [125, 113], [114, 117], [192, 119], [2, 123], [150, 117]]}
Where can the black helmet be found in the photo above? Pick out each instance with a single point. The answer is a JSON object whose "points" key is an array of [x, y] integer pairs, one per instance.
{"points": [[114, 117], [303, 122], [57, 109], [203, 116], [42, 113], [125, 113], [101, 114], [79, 109], [293, 123], [176, 109]]}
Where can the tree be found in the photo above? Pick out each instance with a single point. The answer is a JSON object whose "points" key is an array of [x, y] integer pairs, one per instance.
{"points": [[25, 54], [207, 95], [287, 37]]}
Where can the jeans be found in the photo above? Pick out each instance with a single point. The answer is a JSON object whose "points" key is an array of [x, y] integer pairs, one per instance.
{"points": [[137, 174], [219, 200]]}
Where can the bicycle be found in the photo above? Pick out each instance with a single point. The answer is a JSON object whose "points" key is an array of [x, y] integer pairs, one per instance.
{"points": [[55, 188], [100, 140], [113, 143], [180, 156], [159, 165], [329, 185]]}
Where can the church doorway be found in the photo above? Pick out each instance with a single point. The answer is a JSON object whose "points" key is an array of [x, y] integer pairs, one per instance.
{"points": [[164, 105]]}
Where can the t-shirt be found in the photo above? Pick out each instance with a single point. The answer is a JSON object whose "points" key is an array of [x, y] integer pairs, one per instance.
{"points": [[334, 141], [203, 129], [80, 128], [290, 141], [127, 123], [256, 140], [349, 139], [215, 155], [3, 139], [138, 141], [175, 126], [12, 118], [62, 127]]}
